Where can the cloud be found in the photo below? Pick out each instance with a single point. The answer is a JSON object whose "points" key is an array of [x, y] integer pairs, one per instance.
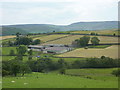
{"points": [[57, 11]]}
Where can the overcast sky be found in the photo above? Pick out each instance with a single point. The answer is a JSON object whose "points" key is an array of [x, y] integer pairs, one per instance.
{"points": [[58, 12]]}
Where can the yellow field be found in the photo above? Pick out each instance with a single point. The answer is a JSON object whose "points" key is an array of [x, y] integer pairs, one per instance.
{"points": [[68, 40], [6, 37], [50, 37], [111, 51], [104, 32]]}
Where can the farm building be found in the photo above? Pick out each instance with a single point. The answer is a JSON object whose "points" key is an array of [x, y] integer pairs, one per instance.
{"points": [[56, 49], [35, 47], [52, 48]]}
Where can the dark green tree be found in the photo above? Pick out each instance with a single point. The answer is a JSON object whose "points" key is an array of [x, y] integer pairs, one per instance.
{"points": [[95, 40], [116, 72], [23, 41], [30, 53], [84, 41], [12, 53], [15, 67], [21, 50], [37, 41]]}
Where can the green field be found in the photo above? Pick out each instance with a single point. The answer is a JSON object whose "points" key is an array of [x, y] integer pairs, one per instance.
{"points": [[96, 74], [51, 80]]}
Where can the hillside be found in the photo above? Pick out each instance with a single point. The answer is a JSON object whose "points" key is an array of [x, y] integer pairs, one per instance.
{"points": [[11, 30], [45, 28]]}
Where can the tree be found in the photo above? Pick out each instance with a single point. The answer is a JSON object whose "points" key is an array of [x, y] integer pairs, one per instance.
{"points": [[24, 68], [12, 53], [95, 40], [61, 63], [62, 71], [92, 33], [84, 41], [15, 67], [10, 43], [30, 52], [21, 50], [37, 41], [17, 34], [116, 72], [23, 41]]}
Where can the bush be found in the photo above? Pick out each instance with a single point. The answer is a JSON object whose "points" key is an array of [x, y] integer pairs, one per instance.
{"points": [[116, 72], [5, 73], [12, 53], [62, 71]]}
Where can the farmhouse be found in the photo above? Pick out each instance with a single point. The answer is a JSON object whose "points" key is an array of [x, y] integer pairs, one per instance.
{"points": [[50, 48]]}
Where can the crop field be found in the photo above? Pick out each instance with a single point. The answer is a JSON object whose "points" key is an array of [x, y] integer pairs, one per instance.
{"points": [[50, 37], [68, 40], [111, 51], [103, 32], [6, 37], [51, 80]]}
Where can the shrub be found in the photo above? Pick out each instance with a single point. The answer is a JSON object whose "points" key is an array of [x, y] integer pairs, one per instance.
{"points": [[62, 71], [116, 72]]}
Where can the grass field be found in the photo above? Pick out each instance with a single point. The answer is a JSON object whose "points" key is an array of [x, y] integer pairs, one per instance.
{"points": [[51, 80], [6, 37], [68, 40], [103, 32], [50, 37], [111, 51], [96, 74]]}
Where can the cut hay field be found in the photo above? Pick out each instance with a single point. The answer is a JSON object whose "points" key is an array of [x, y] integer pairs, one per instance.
{"points": [[103, 32], [111, 51], [68, 40], [50, 37], [6, 37], [51, 80]]}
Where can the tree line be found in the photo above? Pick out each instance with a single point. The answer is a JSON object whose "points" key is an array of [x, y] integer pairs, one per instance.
{"points": [[45, 65], [21, 40]]}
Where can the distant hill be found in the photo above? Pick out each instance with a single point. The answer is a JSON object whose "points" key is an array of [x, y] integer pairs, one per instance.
{"points": [[12, 30], [46, 28]]}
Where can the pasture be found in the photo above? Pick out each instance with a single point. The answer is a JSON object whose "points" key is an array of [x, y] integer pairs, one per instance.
{"points": [[51, 80], [68, 40], [111, 51], [96, 74]]}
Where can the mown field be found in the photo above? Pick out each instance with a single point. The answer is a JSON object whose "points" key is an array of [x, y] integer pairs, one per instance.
{"points": [[6, 37], [50, 37], [111, 51], [53, 80], [68, 40], [102, 32]]}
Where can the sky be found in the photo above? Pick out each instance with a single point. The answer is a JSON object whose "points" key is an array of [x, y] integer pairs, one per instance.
{"points": [[57, 12]]}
